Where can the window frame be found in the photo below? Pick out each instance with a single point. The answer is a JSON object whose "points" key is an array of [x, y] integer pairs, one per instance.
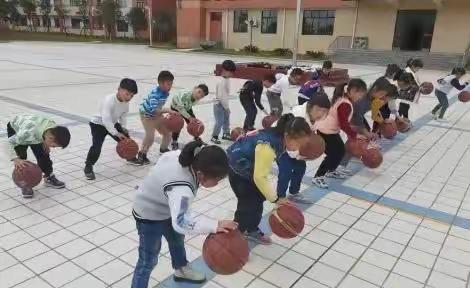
{"points": [[268, 20], [240, 27], [318, 22]]}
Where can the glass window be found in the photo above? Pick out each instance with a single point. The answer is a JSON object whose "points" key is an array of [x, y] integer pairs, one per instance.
{"points": [[239, 18], [318, 22], [269, 21], [76, 23], [75, 3], [140, 4]]}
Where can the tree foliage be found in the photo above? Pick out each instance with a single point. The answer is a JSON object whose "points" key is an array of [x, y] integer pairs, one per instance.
{"points": [[29, 8], [137, 19], [45, 7], [110, 14]]}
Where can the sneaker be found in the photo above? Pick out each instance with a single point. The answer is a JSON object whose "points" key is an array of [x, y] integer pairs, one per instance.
{"points": [[89, 174], [320, 182], [227, 137], [146, 160], [137, 161], [27, 193], [52, 181], [162, 151], [300, 198], [258, 237], [345, 171], [216, 140], [335, 174], [187, 274], [175, 145], [434, 115]]}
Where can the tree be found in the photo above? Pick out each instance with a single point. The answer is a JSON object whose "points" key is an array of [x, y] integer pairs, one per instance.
{"points": [[9, 11], [137, 19], [83, 11], [29, 8], [61, 12], [110, 13], [45, 7], [164, 25]]}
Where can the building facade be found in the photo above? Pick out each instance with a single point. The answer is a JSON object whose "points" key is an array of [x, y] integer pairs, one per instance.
{"points": [[437, 26]]}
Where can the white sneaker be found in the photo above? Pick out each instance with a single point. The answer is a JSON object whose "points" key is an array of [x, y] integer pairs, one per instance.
{"points": [[335, 175], [345, 171], [187, 274], [300, 198], [320, 182], [434, 116]]}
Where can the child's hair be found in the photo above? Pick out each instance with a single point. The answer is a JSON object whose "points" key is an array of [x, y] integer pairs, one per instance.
{"points": [[296, 72], [392, 70], [165, 76], [229, 65], [209, 160], [204, 88], [414, 63], [321, 100], [293, 127], [327, 64], [354, 83], [403, 76], [382, 84], [128, 84], [61, 135], [459, 70], [270, 77]]}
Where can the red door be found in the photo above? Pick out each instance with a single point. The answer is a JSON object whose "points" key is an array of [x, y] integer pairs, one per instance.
{"points": [[215, 27]]}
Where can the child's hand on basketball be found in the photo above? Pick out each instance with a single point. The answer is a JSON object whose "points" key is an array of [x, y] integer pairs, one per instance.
{"points": [[121, 136], [20, 163], [283, 201], [226, 226]]}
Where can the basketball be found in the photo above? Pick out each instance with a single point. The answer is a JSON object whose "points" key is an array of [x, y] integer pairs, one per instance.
{"points": [[28, 177], [426, 88], [127, 149], [268, 121], [356, 147], [286, 221], [225, 253], [173, 122], [464, 96], [236, 133], [388, 130], [314, 148], [403, 125], [372, 158], [195, 127]]}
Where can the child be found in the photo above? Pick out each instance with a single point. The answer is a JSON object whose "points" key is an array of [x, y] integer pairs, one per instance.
{"points": [[110, 120], [151, 115], [221, 106], [412, 94], [325, 70], [183, 102], [292, 170], [250, 98], [251, 159], [309, 90], [162, 208], [445, 85], [278, 93], [339, 118], [381, 92], [40, 134]]}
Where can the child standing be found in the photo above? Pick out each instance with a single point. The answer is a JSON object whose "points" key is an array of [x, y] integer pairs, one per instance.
{"points": [[40, 134], [162, 208], [339, 118], [221, 106], [445, 85], [251, 159], [183, 102], [412, 94], [151, 115], [110, 120], [250, 98], [278, 94]]}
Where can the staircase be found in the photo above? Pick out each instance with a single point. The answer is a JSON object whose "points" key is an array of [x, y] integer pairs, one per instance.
{"points": [[436, 61]]}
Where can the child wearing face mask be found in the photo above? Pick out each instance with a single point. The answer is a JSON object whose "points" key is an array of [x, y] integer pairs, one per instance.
{"points": [[338, 119], [251, 159]]}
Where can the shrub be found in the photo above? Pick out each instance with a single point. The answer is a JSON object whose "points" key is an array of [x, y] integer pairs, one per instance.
{"points": [[207, 45], [282, 52], [316, 54], [251, 49]]}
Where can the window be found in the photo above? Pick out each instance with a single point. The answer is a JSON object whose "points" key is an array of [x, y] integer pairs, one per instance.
{"points": [[269, 21], [56, 22], [75, 3], [76, 23], [122, 26], [239, 18], [140, 4], [318, 22]]}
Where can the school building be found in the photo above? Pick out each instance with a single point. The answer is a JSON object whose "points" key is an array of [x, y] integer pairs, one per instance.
{"points": [[435, 26]]}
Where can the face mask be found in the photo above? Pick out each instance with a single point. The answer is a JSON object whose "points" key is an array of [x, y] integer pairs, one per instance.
{"points": [[293, 154]]}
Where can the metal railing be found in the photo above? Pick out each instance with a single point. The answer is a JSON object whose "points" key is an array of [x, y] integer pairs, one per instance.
{"points": [[340, 42]]}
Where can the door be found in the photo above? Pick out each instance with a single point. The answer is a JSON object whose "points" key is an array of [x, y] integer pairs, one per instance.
{"points": [[414, 29], [215, 26]]}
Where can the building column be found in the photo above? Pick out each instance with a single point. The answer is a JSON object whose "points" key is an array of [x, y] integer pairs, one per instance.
{"points": [[190, 24]]}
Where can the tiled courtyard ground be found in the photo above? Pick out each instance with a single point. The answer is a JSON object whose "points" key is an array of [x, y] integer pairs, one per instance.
{"points": [[406, 224]]}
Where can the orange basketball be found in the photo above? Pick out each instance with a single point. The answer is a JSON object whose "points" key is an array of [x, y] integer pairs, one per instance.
{"points": [[464, 96], [127, 149], [426, 88], [236, 133], [372, 158], [403, 125], [28, 177], [314, 148], [388, 130], [286, 221], [268, 121], [356, 147], [195, 127], [173, 122], [226, 253]]}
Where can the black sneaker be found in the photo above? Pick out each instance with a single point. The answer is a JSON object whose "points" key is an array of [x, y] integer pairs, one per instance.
{"points": [[27, 193], [175, 145], [145, 160], [227, 137], [216, 140], [137, 161], [163, 151], [89, 174], [52, 181]]}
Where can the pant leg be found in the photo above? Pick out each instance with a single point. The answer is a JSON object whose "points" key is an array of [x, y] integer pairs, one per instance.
{"points": [[436, 108], [334, 151], [21, 150], [98, 134], [226, 125], [403, 109], [442, 97], [219, 119], [275, 103], [285, 174], [250, 203], [298, 172], [43, 159], [251, 111], [176, 135], [150, 241], [175, 245], [149, 127], [385, 111]]}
